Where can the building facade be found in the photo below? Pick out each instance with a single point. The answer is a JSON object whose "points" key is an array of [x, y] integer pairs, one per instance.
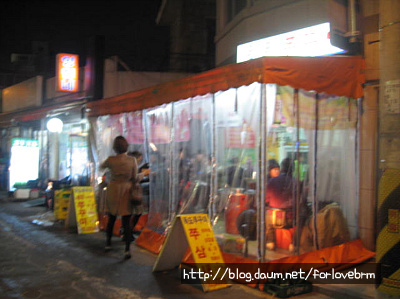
{"points": [[351, 23], [192, 31]]}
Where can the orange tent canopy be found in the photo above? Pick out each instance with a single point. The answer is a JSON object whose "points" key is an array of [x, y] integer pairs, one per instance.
{"points": [[338, 75]]}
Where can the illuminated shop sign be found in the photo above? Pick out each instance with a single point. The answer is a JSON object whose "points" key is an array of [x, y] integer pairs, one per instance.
{"points": [[309, 41], [20, 142], [24, 162], [67, 72]]}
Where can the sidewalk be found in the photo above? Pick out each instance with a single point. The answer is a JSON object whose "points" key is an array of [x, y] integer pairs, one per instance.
{"points": [[41, 259]]}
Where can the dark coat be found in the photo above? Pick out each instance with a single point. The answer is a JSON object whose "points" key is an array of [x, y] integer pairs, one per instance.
{"points": [[280, 192]]}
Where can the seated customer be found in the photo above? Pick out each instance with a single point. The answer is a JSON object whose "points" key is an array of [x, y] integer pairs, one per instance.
{"points": [[273, 169], [279, 195], [280, 189]]}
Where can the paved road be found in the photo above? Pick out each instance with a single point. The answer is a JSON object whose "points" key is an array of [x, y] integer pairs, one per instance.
{"points": [[40, 262]]}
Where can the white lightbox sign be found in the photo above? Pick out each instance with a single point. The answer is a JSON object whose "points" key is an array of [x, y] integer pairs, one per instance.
{"points": [[24, 162], [309, 41]]}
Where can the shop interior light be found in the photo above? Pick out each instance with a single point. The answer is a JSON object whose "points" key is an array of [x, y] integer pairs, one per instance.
{"points": [[55, 125], [153, 146]]}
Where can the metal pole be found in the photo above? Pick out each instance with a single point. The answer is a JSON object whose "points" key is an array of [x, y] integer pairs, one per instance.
{"points": [[214, 178], [261, 177], [171, 174], [297, 197], [314, 201]]}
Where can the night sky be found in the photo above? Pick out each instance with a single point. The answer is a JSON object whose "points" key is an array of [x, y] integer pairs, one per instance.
{"points": [[129, 29]]}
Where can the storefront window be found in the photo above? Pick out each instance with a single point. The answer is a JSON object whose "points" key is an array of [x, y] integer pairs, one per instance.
{"points": [[78, 154], [73, 154]]}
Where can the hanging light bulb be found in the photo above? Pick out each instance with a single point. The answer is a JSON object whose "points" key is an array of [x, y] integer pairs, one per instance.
{"points": [[55, 125]]}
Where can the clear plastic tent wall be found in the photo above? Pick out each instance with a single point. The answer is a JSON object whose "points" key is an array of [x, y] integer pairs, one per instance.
{"points": [[275, 168], [158, 132], [192, 155], [105, 129]]}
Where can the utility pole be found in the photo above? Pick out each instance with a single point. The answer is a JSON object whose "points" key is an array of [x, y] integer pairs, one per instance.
{"points": [[388, 209]]}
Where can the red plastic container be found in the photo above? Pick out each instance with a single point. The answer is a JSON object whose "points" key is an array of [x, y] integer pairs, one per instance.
{"points": [[284, 237], [237, 204]]}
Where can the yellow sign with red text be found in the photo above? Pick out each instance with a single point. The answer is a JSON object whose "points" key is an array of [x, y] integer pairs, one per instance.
{"points": [[85, 210], [201, 239], [193, 231], [203, 245]]}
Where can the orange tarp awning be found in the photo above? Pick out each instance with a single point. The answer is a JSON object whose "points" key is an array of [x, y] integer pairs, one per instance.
{"points": [[34, 113], [341, 76]]}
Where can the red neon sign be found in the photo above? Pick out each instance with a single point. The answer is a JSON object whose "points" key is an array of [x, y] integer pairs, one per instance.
{"points": [[67, 77]]}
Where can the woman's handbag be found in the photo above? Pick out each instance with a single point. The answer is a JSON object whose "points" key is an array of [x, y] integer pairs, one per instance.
{"points": [[136, 194]]}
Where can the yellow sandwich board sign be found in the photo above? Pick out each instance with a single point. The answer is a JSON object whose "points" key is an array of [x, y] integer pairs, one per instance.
{"points": [[193, 231], [82, 211], [61, 202]]}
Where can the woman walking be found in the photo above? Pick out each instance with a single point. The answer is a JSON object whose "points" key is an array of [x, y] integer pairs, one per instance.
{"points": [[123, 170]]}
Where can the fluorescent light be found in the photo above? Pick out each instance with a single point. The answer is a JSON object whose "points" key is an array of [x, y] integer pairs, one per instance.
{"points": [[309, 41]]}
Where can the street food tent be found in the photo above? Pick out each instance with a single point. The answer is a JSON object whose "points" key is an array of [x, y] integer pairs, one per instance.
{"points": [[211, 139]]}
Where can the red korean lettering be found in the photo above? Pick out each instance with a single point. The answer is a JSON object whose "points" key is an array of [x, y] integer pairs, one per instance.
{"points": [[193, 233], [201, 252]]}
